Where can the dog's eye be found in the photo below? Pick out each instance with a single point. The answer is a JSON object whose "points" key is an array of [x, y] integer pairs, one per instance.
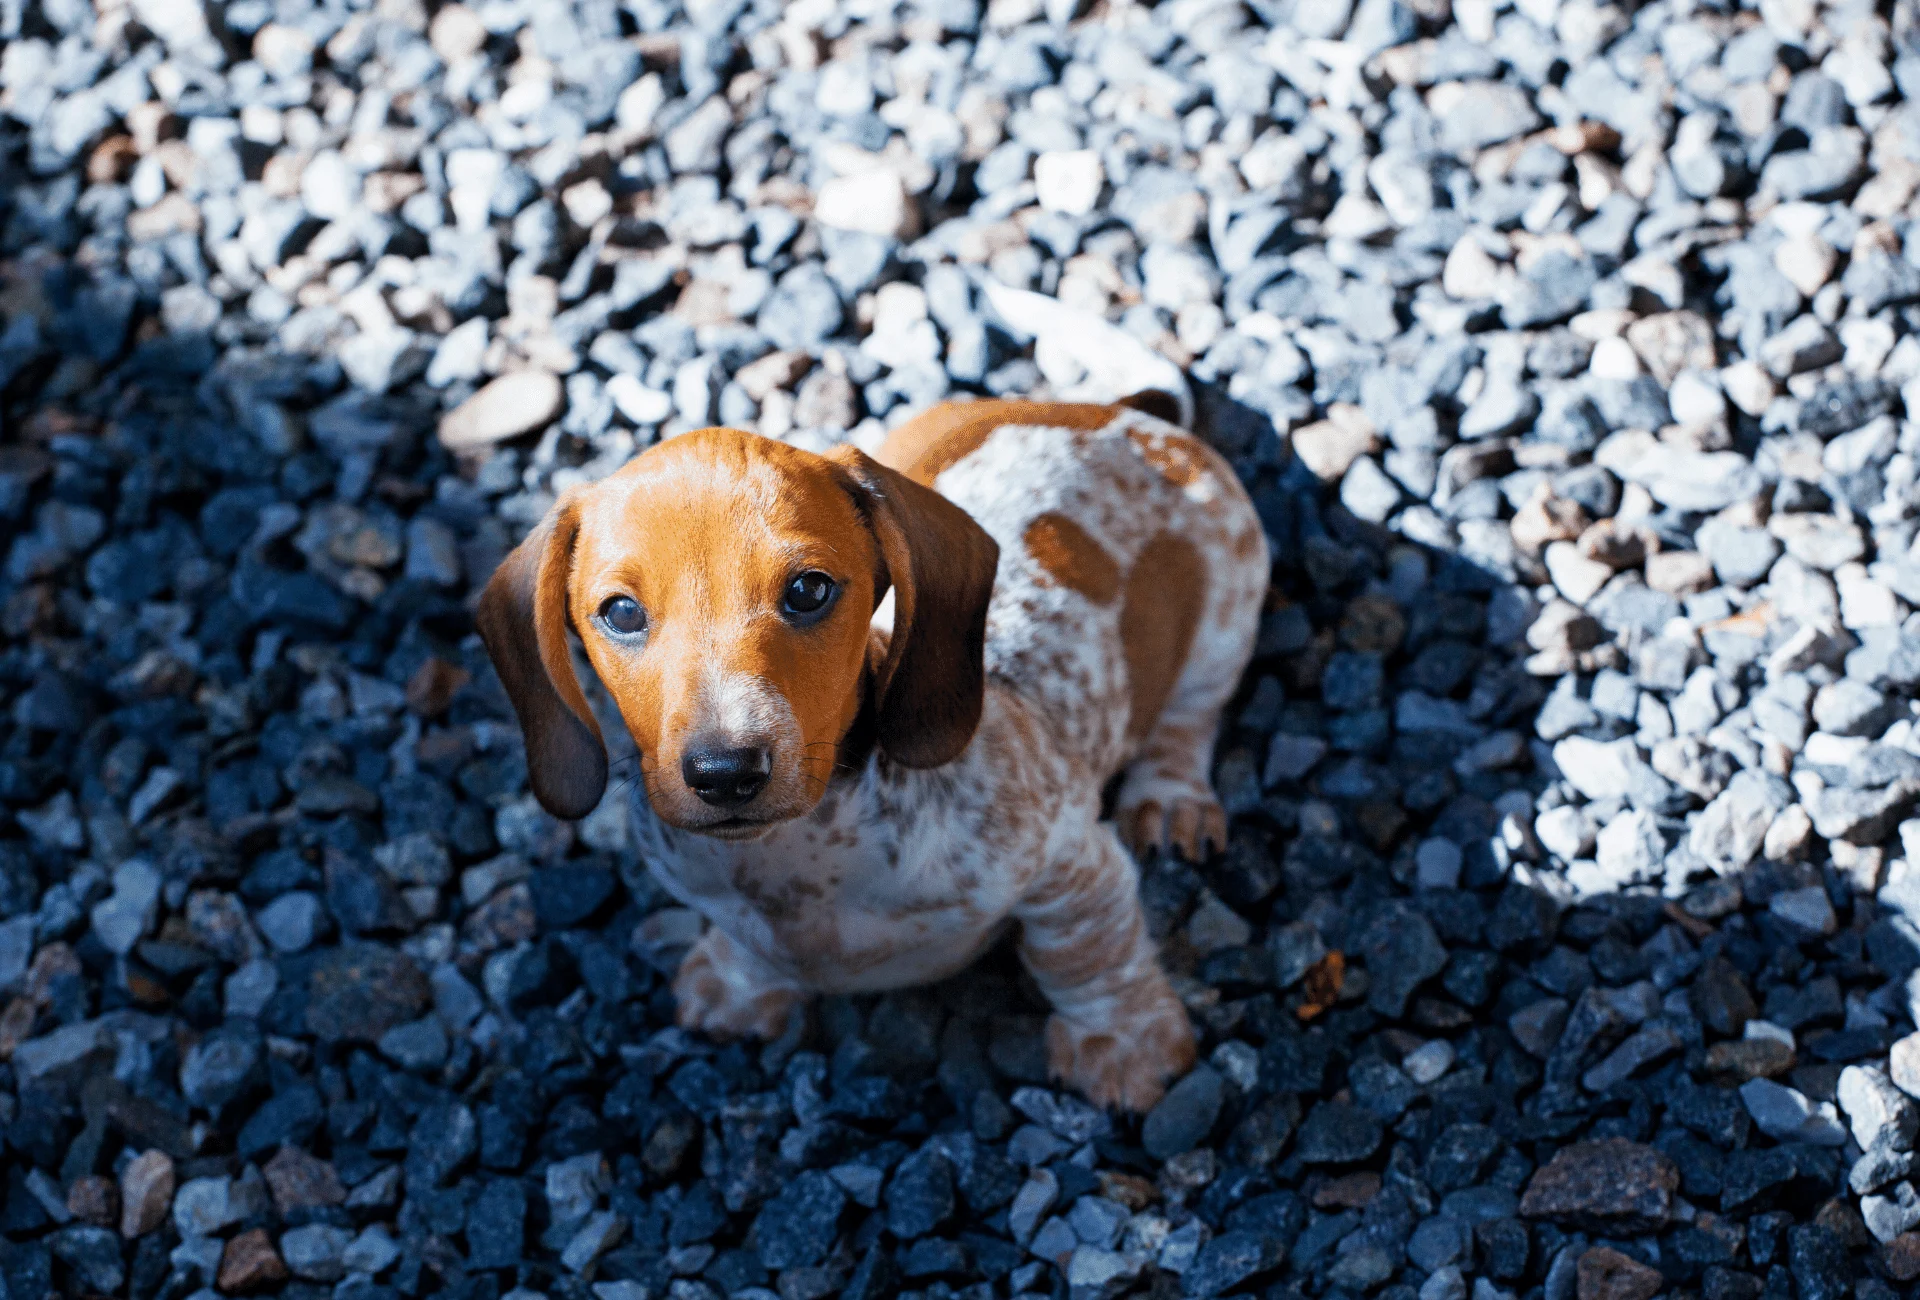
{"points": [[808, 593], [624, 615]]}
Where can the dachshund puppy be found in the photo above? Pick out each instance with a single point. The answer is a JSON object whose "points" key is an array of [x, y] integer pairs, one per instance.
{"points": [[877, 699]]}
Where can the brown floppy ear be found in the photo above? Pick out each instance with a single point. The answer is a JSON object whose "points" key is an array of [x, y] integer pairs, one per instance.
{"points": [[523, 620], [1156, 402], [941, 564]]}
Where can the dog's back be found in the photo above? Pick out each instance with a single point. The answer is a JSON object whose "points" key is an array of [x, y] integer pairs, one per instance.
{"points": [[1132, 569]]}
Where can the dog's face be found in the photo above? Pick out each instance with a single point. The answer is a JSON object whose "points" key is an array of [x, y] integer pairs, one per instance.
{"points": [[724, 586]]}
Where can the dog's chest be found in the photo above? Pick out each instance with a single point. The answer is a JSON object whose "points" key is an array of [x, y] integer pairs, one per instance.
{"points": [[843, 899]]}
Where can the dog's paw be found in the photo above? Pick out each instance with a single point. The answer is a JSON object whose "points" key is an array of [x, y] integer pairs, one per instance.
{"points": [[1127, 1060], [1193, 825], [713, 995]]}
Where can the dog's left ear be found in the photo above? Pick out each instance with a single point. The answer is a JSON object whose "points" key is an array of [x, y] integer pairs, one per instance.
{"points": [[941, 564], [523, 619]]}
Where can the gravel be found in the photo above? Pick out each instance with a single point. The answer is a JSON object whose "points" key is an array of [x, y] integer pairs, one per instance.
{"points": [[1565, 939]]}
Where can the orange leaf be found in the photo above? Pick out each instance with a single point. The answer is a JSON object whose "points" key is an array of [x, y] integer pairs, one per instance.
{"points": [[1321, 987]]}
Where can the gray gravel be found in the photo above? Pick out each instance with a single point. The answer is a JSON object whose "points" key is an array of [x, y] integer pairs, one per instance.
{"points": [[1567, 349]]}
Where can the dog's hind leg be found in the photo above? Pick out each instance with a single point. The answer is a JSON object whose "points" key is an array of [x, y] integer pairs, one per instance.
{"points": [[1186, 648]]}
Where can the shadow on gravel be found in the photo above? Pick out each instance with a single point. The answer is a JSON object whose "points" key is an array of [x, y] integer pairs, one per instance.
{"points": [[277, 899]]}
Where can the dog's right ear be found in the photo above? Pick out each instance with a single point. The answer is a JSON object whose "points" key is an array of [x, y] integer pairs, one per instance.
{"points": [[523, 619]]}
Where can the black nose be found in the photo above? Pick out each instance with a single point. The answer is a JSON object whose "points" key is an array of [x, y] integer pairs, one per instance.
{"points": [[726, 778]]}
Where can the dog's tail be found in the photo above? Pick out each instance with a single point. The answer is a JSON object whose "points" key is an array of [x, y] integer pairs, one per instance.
{"points": [[1117, 366]]}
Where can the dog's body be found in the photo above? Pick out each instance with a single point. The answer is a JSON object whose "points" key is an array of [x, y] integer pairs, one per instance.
{"points": [[1117, 620]]}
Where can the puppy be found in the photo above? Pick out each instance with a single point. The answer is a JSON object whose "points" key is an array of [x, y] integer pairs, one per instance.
{"points": [[877, 699]]}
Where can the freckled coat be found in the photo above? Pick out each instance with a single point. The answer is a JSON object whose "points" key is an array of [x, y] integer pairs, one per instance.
{"points": [[1131, 572]]}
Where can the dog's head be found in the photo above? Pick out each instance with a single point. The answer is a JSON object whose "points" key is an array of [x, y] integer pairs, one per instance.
{"points": [[724, 588]]}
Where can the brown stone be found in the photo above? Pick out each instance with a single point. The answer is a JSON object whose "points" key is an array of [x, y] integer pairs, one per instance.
{"points": [[1679, 573], [1130, 1190], [1901, 1256], [774, 371], [1840, 1217], [1617, 545], [506, 918], [1322, 985], [146, 1193], [111, 160], [433, 685], [1732, 1064], [94, 1199], [360, 991], [386, 191], [1606, 1274], [1348, 1192], [826, 401], [1373, 624], [250, 1262], [1546, 518], [1612, 1186], [1673, 341], [300, 1181], [16, 1025]]}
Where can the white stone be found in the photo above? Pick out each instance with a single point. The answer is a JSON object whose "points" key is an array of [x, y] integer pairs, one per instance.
{"points": [[1695, 399], [1428, 1062], [871, 202], [586, 202], [1807, 261], [1629, 849], [181, 24], [1790, 1116], [1069, 180], [460, 355], [1566, 832], [1878, 1111], [329, 186], [1748, 386], [1903, 1065], [1597, 769], [639, 403], [1614, 358], [511, 405], [639, 104], [456, 33], [1329, 447], [1578, 578], [1470, 273], [1677, 476], [471, 177], [1891, 1211], [283, 50]]}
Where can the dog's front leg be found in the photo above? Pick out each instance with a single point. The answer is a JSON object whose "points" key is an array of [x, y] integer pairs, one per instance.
{"points": [[1118, 1033], [723, 989]]}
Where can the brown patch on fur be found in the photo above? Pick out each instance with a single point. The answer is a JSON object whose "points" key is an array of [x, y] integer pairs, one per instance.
{"points": [[929, 443], [1072, 558], [1169, 456], [1165, 595]]}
